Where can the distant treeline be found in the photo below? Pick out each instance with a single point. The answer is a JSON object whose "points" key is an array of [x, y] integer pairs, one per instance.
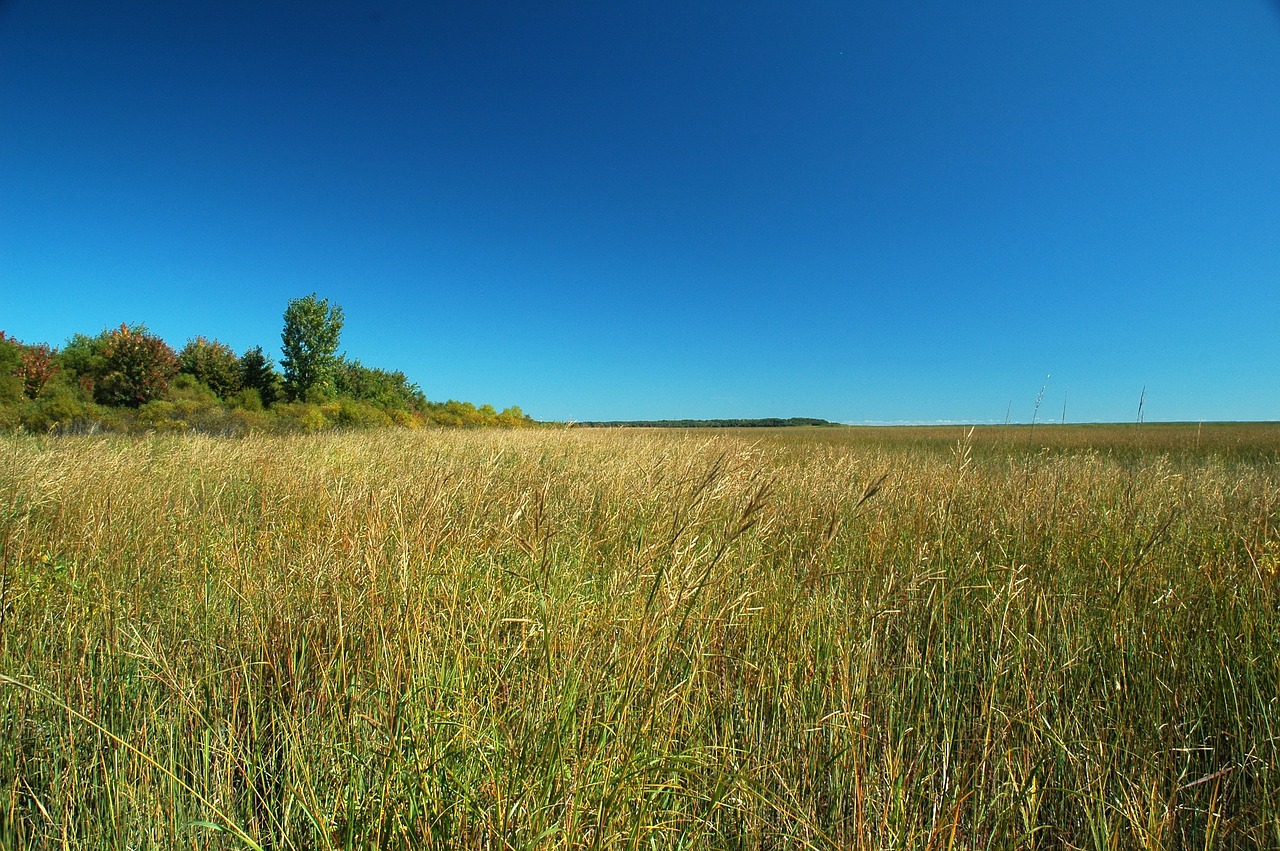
{"points": [[127, 379], [762, 422]]}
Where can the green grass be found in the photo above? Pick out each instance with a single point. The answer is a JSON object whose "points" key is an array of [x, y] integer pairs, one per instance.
{"points": [[1023, 638]]}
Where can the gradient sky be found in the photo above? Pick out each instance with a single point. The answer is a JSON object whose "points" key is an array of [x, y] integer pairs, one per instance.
{"points": [[867, 212]]}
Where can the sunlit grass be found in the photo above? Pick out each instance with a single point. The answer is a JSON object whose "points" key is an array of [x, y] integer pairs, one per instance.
{"points": [[624, 639]]}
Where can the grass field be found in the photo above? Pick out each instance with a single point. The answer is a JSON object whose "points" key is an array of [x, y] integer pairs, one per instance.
{"points": [[1048, 637]]}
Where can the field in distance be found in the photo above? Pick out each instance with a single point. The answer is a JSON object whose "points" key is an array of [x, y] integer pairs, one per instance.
{"points": [[1236, 440], [1015, 637]]}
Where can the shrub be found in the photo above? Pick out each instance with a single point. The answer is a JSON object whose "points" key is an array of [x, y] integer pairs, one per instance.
{"points": [[300, 416], [161, 415], [243, 421], [248, 399], [455, 414], [200, 408], [59, 407], [350, 413], [187, 386], [406, 419]]}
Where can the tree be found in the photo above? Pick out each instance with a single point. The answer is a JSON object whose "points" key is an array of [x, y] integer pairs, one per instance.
{"points": [[309, 345], [213, 363], [137, 367], [259, 373], [384, 388], [38, 367], [11, 369], [81, 359]]}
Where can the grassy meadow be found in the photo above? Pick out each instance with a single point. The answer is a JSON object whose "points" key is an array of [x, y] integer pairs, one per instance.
{"points": [[1022, 637]]}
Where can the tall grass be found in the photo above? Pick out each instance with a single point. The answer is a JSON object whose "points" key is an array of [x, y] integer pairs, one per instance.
{"points": [[626, 639]]}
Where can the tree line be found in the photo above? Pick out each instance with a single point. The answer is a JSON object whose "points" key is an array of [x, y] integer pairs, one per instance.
{"points": [[757, 422], [129, 379]]}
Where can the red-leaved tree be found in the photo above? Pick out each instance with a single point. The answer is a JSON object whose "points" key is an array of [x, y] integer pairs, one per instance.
{"points": [[137, 367], [37, 368]]}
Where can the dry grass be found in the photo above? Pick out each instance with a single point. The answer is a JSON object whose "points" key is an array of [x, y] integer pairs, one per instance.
{"points": [[625, 639]]}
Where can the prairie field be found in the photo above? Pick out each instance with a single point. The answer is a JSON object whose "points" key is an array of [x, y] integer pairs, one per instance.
{"points": [[1006, 638]]}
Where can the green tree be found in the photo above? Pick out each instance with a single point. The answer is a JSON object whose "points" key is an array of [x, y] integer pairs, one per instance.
{"points": [[258, 373], [213, 363], [309, 345], [11, 379], [81, 359], [384, 388]]}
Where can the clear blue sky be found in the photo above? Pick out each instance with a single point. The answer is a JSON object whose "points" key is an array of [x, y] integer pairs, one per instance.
{"points": [[908, 211]]}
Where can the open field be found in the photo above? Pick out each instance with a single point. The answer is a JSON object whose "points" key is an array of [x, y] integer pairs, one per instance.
{"points": [[1048, 637], [1180, 441]]}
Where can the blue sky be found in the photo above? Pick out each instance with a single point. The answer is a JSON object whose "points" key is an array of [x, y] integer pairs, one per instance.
{"points": [[882, 212]]}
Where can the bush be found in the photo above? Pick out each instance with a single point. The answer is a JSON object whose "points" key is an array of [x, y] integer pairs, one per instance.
{"points": [[248, 399], [300, 416], [187, 386], [10, 417], [406, 419], [118, 379], [241, 421], [349, 413], [161, 415], [59, 408], [455, 414]]}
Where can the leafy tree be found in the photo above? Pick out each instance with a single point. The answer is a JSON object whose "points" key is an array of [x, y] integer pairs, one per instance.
{"points": [[455, 414], [10, 349], [213, 363], [137, 367], [513, 417], [82, 361], [10, 369], [385, 389], [36, 366], [208, 388], [258, 373], [309, 345]]}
